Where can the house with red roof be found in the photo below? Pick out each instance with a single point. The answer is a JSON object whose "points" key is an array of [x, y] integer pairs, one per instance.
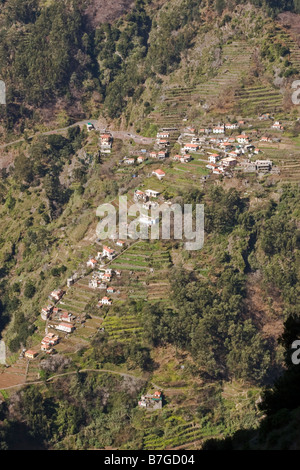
{"points": [[159, 173]]}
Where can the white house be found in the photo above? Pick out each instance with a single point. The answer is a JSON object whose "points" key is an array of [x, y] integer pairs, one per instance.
{"points": [[161, 155], [108, 252], [242, 139], [66, 327], [46, 312], [231, 126], [106, 301], [151, 193], [185, 158], [129, 161], [277, 126], [191, 147], [219, 129], [159, 174], [214, 158], [162, 135], [91, 263]]}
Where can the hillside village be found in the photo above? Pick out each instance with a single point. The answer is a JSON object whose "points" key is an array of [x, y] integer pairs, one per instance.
{"points": [[223, 150]]}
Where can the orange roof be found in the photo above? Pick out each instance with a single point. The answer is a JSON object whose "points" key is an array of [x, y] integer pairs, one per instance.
{"points": [[68, 325], [108, 249]]}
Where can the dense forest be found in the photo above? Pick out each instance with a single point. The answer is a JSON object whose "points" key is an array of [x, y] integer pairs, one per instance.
{"points": [[49, 52]]}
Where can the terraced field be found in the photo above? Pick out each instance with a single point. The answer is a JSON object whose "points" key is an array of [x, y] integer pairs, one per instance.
{"points": [[294, 56], [176, 101], [122, 328], [290, 168], [15, 374], [257, 99], [179, 432], [77, 297]]}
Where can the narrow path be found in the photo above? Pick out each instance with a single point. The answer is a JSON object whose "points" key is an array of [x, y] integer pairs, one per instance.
{"points": [[99, 371]]}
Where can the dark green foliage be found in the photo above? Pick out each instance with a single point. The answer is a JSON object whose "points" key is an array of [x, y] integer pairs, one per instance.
{"points": [[95, 410], [29, 290]]}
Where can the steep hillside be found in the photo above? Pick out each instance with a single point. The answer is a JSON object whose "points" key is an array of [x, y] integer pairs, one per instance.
{"points": [[127, 60], [140, 343]]}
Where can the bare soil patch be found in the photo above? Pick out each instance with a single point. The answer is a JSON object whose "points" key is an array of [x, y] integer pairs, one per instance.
{"points": [[102, 11]]}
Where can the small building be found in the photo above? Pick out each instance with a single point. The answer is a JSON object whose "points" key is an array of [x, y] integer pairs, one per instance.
{"points": [[151, 401], [108, 252], [105, 138], [129, 161], [151, 193], [242, 139], [139, 195], [163, 143], [106, 301], [211, 166], [30, 354], [56, 295], [159, 174], [219, 129], [66, 327], [90, 126], [229, 162], [231, 126], [91, 263], [163, 135], [191, 147], [214, 158], [46, 312], [264, 117], [185, 158], [161, 155], [66, 316], [263, 165], [277, 126]]}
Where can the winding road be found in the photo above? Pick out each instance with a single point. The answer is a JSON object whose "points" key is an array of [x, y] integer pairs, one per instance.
{"points": [[116, 134]]}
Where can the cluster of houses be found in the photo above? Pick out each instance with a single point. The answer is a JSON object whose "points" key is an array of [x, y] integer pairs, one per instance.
{"points": [[48, 342], [102, 277], [226, 151]]}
